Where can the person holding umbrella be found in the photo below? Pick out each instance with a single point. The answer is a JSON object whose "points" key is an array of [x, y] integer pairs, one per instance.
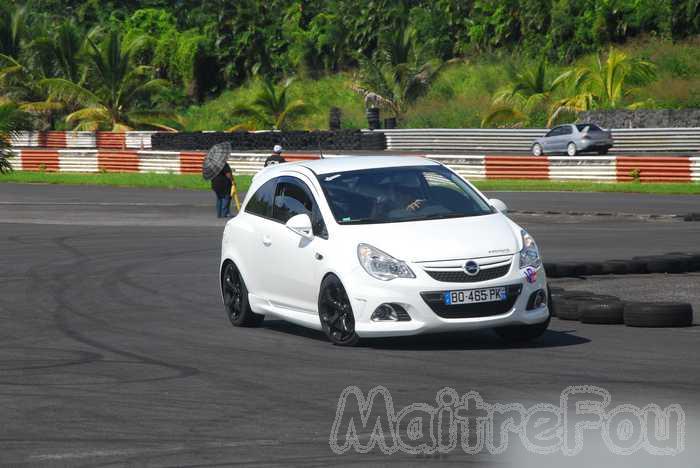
{"points": [[216, 169], [221, 185]]}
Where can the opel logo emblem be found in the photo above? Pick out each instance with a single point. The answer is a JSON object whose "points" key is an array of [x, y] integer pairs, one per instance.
{"points": [[471, 268]]}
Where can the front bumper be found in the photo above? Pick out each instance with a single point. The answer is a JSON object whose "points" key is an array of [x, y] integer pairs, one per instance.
{"points": [[415, 295]]}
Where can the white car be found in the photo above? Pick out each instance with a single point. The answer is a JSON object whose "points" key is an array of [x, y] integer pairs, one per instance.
{"points": [[380, 246]]}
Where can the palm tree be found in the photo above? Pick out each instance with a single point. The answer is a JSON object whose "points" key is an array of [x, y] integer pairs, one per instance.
{"points": [[271, 108], [12, 119], [395, 86], [528, 91], [17, 77], [13, 30], [605, 84], [110, 97], [55, 54]]}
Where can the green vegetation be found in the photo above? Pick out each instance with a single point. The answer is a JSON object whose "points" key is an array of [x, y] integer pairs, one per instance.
{"points": [[195, 182], [12, 119], [670, 188], [271, 108], [217, 64], [107, 101], [120, 179]]}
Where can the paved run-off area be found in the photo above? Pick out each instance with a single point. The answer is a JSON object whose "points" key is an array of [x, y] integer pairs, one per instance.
{"points": [[115, 349]]}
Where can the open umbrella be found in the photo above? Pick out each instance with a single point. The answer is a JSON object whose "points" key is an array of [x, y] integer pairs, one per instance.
{"points": [[215, 160]]}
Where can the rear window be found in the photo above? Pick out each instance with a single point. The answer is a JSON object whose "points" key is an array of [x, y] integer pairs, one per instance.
{"points": [[591, 127]]}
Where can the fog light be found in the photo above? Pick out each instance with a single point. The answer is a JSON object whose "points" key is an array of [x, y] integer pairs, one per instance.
{"points": [[385, 312], [537, 299]]}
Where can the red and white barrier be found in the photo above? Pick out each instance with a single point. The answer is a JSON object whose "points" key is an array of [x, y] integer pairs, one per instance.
{"points": [[596, 168], [695, 169]]}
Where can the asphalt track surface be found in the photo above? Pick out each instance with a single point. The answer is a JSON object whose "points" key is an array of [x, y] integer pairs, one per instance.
{"points": [[115, 350]]}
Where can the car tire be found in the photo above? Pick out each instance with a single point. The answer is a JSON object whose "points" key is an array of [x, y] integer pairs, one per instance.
{"points": [[570, 269], [551, 293], [615, 267], [574, 302], [235, 295], [636, 267], [550, 270], [567, 309], [667, 264], [335, 312], [605, 312], [571, 149], [537, 150], [593, 268], [658, 314], [522, 333], [603, 151]]}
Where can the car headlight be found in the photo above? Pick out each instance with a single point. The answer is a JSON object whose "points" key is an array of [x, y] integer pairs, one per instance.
{"points": [[381, 265], [530, 254]]}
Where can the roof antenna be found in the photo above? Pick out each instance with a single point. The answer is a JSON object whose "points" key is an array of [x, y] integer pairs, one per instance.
{"points": [[320, 151]]}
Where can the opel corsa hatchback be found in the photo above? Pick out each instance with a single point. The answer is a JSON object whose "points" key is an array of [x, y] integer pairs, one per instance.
{"points": [[379, 246]]}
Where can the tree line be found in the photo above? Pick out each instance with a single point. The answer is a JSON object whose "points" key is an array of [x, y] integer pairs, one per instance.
{"points": [[132, 64]]}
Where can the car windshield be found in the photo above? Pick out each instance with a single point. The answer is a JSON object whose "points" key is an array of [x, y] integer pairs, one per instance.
{"points": [[398, 194], [591, 127]]}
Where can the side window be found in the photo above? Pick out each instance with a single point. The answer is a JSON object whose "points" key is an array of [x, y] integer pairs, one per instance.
{"points": [[261, 202], [552, 132], [292, 198], [566, 130]]}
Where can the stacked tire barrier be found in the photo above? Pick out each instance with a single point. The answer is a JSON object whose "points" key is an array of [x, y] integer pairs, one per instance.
{"points": [[673, 263], [591, 308], [349, 140]]}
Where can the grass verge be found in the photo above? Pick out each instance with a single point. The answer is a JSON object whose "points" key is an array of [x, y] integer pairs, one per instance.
{"points": [[120, 179], [195, 182], [678, 188]]}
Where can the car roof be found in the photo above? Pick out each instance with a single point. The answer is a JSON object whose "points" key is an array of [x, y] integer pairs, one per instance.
{"points": [[352, 163]]}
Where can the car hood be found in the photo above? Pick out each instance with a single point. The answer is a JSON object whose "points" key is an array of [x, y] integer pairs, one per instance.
{"points": [[444, 239]]}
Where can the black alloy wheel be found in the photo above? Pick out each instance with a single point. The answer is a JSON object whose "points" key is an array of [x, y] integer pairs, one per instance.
{"points": [[236, 298], [335, 312]]}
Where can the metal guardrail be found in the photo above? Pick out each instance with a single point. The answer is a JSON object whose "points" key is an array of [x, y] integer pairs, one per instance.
{"points": [[627, 140]]}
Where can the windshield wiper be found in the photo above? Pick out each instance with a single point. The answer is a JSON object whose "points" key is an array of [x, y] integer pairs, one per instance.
{"points": [[361, 221], [446, 216]]}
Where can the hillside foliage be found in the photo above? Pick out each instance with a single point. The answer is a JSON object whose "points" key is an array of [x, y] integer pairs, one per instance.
{"points": [[187, 56]]}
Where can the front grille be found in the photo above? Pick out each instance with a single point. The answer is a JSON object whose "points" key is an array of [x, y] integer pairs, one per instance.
{"points": [[485, 309], [459, 276]]}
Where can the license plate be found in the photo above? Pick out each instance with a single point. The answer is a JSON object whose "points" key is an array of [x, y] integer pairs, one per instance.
{"points": [[475, 296]]}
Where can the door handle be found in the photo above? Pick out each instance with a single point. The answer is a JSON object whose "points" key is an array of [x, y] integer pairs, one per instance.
{"points": [[267, 241]]}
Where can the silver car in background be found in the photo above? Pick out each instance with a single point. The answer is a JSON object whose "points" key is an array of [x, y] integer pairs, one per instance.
{"points": [[573, 139]]}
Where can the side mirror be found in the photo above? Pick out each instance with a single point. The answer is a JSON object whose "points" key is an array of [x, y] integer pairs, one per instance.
{"points": [[301, 225], [499, 205]]}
